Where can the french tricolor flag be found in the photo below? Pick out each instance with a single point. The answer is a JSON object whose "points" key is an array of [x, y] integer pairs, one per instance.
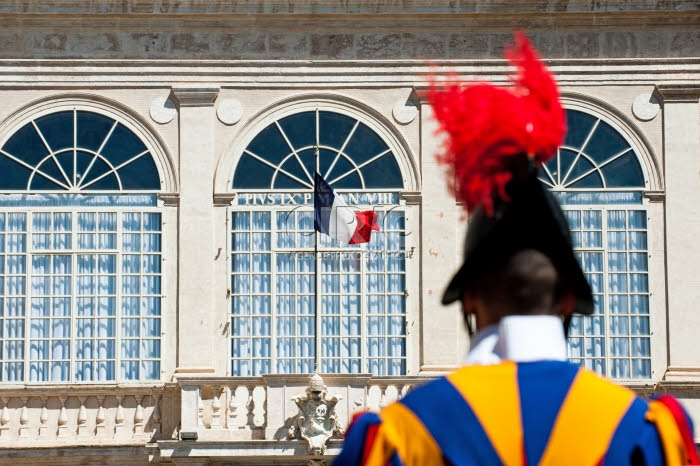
{"points": [[336, 219]]}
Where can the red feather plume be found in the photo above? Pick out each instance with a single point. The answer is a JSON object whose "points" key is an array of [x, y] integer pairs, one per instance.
{"points": [[488, 125]]}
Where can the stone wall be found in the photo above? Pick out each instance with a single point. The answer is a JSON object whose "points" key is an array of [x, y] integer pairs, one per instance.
{"points": [[322, 31]]}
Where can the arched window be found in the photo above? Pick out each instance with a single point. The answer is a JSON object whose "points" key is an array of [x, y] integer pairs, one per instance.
{"points": [[598, 179], [301, 301], [80, 252]]}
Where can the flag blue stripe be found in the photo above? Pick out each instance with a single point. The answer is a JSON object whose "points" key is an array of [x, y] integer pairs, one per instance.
{"points": [[323, 203]]}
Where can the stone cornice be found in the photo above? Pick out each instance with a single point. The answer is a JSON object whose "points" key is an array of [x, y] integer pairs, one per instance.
{"points": [[212, 7], [170, 199], [655, 196], [223, 199], [67, 389], [287, 452], [196, 96], [689, 92], [326, 74], [412, 197]]}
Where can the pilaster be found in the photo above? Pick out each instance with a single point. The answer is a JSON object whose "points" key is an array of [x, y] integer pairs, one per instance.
{"points": [[196, 313], [443, 337], [681, 126]]}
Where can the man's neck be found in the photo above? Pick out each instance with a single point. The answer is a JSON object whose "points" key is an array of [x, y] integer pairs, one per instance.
{"points": [[519, 339]]}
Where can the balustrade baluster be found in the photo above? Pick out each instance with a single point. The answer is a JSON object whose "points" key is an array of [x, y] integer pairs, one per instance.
{"points": [[119, 426], [244, 409], [157, 428], [4, 419], [63, 418], [391, 394], [258, 406], [44, 419], [82, 417], [200, 408], [232, 408], [216, 409], [24, 429], [383, 401], [100, 419], [138, 415], [374, 396]]}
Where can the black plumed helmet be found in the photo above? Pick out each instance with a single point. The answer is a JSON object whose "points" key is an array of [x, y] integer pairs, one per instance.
{"points": [[497, 139], [531, 219]]}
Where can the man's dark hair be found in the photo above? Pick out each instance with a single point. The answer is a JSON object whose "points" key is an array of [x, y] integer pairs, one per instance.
{"points": [[525, 283]]}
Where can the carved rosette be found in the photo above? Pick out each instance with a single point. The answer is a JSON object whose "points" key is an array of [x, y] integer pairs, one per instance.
{"points": [[317, 420]]}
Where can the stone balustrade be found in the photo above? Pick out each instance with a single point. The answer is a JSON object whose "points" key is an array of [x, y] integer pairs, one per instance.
{"points": [[382, 391], [241, 412], [82, 415], [262, 408], [217, 408]]}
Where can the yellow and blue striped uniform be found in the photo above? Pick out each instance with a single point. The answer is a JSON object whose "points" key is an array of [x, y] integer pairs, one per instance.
{"points": [[531, 413]]}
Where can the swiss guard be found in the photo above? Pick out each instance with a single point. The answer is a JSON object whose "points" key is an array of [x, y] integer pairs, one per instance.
{"points": [[517, 400]]}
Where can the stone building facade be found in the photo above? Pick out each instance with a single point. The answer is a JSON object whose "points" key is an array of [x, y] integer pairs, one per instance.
{"points": [[164, 297]]}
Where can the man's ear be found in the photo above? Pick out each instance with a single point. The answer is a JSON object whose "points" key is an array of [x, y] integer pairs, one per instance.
{"points": [[469, 303], [567, 305], [469, 310]]}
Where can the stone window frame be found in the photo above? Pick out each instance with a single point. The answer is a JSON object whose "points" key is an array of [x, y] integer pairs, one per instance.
{"points": [[409, 196], [166, 196], [653, 204]]}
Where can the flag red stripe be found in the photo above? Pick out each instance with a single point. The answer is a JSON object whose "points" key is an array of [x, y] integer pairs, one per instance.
{"points": [[366, 222]]}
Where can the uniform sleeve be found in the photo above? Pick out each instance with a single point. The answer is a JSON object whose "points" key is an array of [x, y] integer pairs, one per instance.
{"points": [[360, 446], [675, 430]]}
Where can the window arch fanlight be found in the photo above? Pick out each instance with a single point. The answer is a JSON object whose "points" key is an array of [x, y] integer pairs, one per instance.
{"points": [[76, 151], [599, 180], [299, 300], [594, 156], [80, 250], [350, 155]]}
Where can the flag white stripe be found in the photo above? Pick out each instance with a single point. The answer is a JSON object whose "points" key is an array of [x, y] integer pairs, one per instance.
{"points": [[343, 222]]}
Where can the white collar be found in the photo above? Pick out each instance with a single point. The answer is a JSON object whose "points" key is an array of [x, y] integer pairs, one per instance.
{"points": [[520, 339]]}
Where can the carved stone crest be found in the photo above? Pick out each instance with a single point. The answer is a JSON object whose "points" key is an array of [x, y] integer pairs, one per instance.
{"points": [[317, 420]]}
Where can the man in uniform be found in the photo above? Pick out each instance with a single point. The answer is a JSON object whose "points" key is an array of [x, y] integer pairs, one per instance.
{"points": [[517, 401]]}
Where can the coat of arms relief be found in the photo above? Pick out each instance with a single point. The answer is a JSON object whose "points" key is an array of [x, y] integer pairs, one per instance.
{"points": [[317, 420]]}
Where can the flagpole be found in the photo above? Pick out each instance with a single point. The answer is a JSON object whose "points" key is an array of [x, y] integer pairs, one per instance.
{"points": [[317, 268]]}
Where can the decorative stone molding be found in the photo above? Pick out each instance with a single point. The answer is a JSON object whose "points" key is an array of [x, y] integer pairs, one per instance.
{"points": [[645, 107], [655, 196], [680, 376], [196, 96], [162, 110], [678, 92], [316, 463], [229, 111], [412, 197], [406, 111], [170, 199], [223, 199], [316, 421]]}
